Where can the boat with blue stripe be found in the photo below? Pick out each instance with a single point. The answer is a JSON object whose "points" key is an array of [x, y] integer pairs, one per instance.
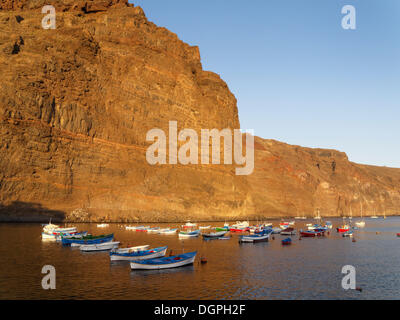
{"points": [[138, 255], [164, 263], [88, 240], [254, 238]]}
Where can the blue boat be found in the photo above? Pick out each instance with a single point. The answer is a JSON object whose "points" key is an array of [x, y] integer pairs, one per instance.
{"points": [[286, 241], [164, 263], [138, 255], [88, 240], [261, 237]]}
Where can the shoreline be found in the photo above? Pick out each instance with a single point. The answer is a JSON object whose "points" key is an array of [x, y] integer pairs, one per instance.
{"points": [[33, 220]]}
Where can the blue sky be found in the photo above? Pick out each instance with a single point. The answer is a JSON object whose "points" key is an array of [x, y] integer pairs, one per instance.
{"points": [[298, 76]]}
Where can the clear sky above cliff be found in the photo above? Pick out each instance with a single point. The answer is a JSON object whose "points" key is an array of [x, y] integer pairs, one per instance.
{"points": [[299, 77]]}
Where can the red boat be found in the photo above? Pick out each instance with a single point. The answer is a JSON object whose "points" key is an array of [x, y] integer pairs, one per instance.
{"points": [[344, 228], [311, 233], [239, 230], [398, 235]]}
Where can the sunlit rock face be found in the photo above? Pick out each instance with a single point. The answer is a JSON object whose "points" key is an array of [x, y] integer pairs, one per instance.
{"points": [[76, 103]]}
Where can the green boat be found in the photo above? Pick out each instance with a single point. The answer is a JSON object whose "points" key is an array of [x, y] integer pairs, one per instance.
{"points": [[222, 229]]}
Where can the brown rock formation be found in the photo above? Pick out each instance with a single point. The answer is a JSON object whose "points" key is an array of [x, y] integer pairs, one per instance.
{"points": [[76, 104]]}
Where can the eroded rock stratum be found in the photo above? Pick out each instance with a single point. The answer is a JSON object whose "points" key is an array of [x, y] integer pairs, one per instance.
{"points": [[76, 104]]}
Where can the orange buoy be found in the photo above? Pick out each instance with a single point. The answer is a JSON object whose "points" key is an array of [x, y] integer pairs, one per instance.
{"points": [[354, 240], [203, 260]]}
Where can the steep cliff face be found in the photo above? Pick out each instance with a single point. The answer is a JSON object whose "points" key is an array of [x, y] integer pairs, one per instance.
{"points": [[296, 181], [76, 104]]}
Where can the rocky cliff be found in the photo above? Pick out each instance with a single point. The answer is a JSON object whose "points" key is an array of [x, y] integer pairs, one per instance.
{"points": [[76, 103]]}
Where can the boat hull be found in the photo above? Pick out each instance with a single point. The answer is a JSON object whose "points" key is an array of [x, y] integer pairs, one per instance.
{"points": [[182, 262], [99, 247], [122, 257]]}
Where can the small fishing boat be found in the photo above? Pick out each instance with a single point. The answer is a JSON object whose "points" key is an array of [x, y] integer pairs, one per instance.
{"points": [[214, 235], [361, 224], [55, 230], [205, 228], [284, 225], [71, 235], [240, 225], [286, 241], [187, 234], [153, 230], [347, 234], [311, 233], [222, 228], [170, 231], [189, 225], [142, 229], [46, 236], [276, 230], [328, 225], [138, 255], [343, 228], [103, 225], [131, 249], [262, 237], [164, 263], [132, 228], [398, 235], [106, 246], [88, 240], [239, 230], [288, 232]]}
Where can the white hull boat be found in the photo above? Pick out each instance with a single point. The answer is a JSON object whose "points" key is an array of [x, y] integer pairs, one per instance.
{"points": [[205, 228], [168, 231], [165, 263], [99, 247], [103, 225], [139, 255], [132, 249], [360, 224], [46, 236], [192, 234]]}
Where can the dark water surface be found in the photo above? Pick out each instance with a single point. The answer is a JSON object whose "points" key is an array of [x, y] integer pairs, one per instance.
{"points": [[309, 269]]}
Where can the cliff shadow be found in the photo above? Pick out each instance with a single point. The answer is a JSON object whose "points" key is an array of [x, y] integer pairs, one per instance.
{"points": [[19, 211]]}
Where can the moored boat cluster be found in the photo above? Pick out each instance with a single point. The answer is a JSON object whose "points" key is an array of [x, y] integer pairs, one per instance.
{"points": [[144, 257]]}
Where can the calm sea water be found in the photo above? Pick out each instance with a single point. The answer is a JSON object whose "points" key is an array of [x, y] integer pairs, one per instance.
{"points": [[309, 269]]}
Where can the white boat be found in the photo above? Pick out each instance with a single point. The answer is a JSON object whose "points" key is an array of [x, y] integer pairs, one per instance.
{"points": [[240, 225], [132, 249], [193, 234], [138, 255], [164, 263], [46, 236], [204, 228], [103, 225], [54, 229], [131, 228], [361, 224], [276, 230], [288, 232], [99, 247], [262, 237], [189, 225], [153, 230], [168, 231]]}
